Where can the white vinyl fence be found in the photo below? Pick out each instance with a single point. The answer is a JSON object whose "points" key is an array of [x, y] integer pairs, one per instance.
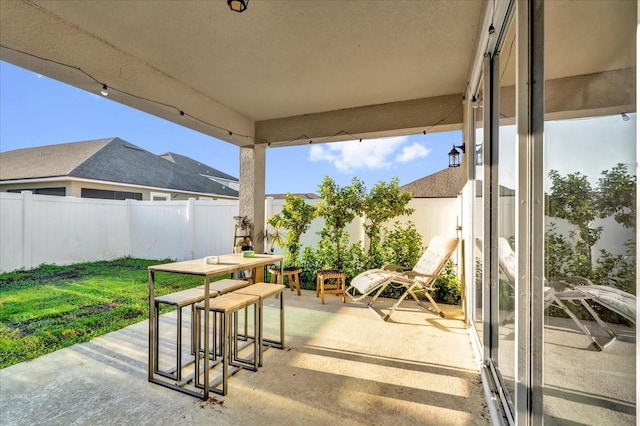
{"points": [[37, 229]]}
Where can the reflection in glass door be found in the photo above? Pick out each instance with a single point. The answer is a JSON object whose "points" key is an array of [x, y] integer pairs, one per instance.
{"points": [[590, 217], [504, 357], [478, 217]]}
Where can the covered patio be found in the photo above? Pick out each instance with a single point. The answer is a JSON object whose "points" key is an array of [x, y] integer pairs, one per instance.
{"points": [[286, 73], [342, 364]]}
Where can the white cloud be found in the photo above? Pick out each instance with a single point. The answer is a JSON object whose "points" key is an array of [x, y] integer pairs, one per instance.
{"points": [[412, 152], [354, 155]]}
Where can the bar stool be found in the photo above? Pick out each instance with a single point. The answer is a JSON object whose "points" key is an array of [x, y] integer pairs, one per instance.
{"points": [[264, 290], [180, 300], [292, 273], [223, 286], [226, 306], [337, 286]]}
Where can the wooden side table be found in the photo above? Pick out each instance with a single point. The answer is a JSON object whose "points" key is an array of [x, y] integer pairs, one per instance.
{"points": [[330, 281], [292, 273]]}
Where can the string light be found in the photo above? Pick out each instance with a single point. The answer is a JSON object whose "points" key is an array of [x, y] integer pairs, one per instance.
{"points": [[105, 92]]}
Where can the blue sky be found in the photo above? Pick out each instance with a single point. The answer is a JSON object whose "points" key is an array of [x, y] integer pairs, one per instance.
{"points": [[36, 110]]}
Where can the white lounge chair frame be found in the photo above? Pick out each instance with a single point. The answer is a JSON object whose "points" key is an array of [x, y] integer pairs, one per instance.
{"points": [[421, 278], [574, 290]]}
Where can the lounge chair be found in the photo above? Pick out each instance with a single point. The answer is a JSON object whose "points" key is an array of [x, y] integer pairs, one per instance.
{"points": [[421, 278], [576, 290]]}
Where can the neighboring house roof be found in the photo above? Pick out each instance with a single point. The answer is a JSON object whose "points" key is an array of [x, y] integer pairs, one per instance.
{"points": [[110, 160], [447, 183], [196, 166], [47, 161], [303, 196]]}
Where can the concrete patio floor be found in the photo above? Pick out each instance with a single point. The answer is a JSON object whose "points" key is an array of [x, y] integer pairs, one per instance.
{"points": [[342, 365]]}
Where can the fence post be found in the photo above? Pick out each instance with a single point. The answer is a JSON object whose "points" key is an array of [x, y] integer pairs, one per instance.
{"points": [[27, 229], [129, 243], [191, 217]]}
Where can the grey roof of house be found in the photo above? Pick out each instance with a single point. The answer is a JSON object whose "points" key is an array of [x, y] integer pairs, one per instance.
{"points": [[446, 183], [196, 166], [109, 160], [305, 196]]}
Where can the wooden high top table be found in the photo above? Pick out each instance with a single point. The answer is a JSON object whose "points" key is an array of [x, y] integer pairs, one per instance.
{"points": [[227, 264]]}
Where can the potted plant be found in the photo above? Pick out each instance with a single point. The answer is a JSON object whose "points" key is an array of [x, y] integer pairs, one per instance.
{"points": [[274, 236], [243, 233]]}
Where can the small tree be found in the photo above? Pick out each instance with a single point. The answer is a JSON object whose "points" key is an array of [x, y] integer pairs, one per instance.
{"points": [[617, 196], [382, 203], [338, 207], [295, 217], [573, 199]]}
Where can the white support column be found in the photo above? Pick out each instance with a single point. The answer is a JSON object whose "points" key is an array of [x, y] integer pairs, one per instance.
{"points": [[252, 190]]}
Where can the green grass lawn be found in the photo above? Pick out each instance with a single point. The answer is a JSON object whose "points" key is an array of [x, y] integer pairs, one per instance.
{"points": [[53, 307]]}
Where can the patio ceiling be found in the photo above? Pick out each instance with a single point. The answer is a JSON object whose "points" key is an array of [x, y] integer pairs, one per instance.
{"points": [[287, 68]]}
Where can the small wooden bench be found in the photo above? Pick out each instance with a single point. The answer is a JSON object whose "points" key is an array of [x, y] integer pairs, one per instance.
{"points": [[293, 275], [336, 284]]}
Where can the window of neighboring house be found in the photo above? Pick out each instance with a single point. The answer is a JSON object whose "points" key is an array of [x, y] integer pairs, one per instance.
{"points": [[60, 191], [110, 195], [159, 196]]}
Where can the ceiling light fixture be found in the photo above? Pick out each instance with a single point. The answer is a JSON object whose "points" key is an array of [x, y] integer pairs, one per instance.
{"points": [[455, 155], [238, 5], [105, 90]]}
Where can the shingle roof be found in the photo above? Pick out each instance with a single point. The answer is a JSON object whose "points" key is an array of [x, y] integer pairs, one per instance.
{"points": [[306, 196], [47, 161], [196, 166], [447, 183], [110, 160]]}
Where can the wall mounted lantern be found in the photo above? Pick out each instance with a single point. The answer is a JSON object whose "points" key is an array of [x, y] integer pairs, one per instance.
{"points": [[238, 5], [455, 155]]}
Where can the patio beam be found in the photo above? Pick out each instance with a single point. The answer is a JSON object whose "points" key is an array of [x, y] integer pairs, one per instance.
{"points": [[603, 93], [396, 118]]}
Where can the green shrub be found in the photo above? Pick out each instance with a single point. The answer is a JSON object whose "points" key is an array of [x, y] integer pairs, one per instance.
{"points": [[402, 245], [447, 285]]}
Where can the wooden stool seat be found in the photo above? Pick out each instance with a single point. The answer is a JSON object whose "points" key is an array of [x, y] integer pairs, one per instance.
{"points": [[292, 273], [225, 286], [336, 284]]}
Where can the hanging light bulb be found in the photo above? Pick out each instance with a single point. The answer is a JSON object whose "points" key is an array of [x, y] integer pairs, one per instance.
{"points": [[238, 5], [105, 90]]}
